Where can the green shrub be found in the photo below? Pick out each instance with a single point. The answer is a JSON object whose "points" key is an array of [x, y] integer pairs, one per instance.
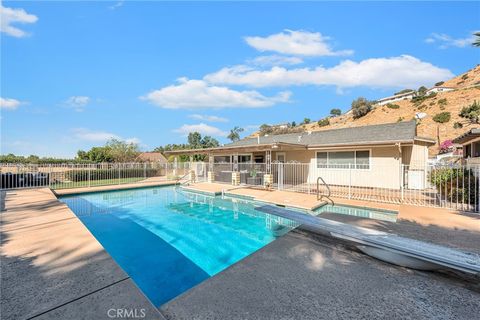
{"points": [[323, 122], [392, 106], [403, 91], [103, 174], [465, 77], [442, 102], [439, 83], [457, 125], [361, 107], [455, 184], [400, 119], [442, 117], [471, 112]]}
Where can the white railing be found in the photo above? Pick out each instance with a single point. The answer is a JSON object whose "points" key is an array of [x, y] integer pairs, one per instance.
{"points": [[448, 186], [62, 176]]}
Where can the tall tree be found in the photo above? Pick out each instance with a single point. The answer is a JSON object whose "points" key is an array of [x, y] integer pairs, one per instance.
{"points": [[195, 140], [476, 42], [234, 134]]}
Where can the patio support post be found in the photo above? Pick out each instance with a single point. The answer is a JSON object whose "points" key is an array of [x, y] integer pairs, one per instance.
{"points": [[210, 174], [175, 163], [267, 177], [268, 161]]}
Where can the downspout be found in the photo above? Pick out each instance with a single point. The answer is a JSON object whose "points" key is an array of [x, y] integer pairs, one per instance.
{"points": [[401, 168]]}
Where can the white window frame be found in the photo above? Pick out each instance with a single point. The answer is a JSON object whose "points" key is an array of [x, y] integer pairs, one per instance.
{"points": [[284, 154], [355, 159], [246, 154]]}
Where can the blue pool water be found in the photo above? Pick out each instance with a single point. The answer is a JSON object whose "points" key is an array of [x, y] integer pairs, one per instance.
{"points": [[168, 240]]}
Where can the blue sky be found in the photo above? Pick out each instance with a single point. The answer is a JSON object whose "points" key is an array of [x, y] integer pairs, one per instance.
{"points": [[74, 74]]}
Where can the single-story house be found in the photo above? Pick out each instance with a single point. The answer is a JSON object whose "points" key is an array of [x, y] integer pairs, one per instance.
{"points": [[154, 157], [397, 97], [436, 89], [370, 156], [470, 141]]}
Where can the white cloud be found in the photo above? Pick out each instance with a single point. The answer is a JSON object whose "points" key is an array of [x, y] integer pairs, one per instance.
{"points": [[9, 104], [9, 16], [99, 136], [275, 60], [208, 118], [303, 43], [396, 72], [445, 41], [116, 5], [199, 94], [77, 102], [202, 128]]}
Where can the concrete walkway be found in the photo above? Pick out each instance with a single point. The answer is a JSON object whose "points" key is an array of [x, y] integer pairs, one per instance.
{"points": [[53, 267], [299, 277]]}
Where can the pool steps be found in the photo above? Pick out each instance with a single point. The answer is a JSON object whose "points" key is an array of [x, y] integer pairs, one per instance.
{"points": [[385, 246]]}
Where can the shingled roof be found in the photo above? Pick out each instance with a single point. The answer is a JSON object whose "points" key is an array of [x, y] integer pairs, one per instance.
{"points": [[401, 132], [383, 133]]}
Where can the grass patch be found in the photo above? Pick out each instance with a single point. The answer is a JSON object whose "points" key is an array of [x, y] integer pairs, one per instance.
{"points": [[93, 183]]}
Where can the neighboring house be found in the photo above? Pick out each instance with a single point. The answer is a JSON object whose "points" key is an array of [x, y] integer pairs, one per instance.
{"points": [[439, 89], [371, 156], [155, 157], [470, 141], [397, 97]]}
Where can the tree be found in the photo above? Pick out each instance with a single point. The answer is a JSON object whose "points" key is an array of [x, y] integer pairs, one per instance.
{"points": [[335, 112], [422, 91], [82, 155], [471, 112], [234, 134], [361, 107], [293, 124], [306, 120], [122, 151], [194, 140], [209, 142], [476, 42]]}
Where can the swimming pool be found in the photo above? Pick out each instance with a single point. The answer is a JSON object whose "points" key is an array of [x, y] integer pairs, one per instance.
{"points": [[169, 241]]}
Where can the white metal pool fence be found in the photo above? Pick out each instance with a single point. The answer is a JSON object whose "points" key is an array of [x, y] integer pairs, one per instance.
{"points": [[453, 186], [62, 176]]}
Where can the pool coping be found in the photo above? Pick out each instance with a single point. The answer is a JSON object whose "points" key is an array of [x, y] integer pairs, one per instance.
{"points": [[97, 286]]}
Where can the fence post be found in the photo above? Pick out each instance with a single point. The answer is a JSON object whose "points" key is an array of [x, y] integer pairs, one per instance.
{"points": [[145, 170], [402, 177], [50, 176], [89, 178], [349, 181]]}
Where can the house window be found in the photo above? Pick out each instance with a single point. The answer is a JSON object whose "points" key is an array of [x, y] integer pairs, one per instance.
{"points": [[344, 159], [221, 159], [244, 158]]}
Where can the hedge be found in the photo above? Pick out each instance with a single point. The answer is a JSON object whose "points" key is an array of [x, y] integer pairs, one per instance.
{"points": [[102, 174]]}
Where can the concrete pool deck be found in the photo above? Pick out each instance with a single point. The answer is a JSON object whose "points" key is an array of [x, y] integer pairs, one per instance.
{"points": [[300, 276], [53, 267]]}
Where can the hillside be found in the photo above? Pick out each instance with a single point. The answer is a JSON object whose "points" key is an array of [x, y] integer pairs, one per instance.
{"points": [[467, 90]]}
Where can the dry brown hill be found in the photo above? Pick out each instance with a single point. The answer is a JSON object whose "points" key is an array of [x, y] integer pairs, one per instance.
{"points": [[467, 90]]}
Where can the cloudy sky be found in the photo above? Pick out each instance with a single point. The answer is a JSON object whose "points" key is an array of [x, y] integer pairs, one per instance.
{"points": [[75, 74]]}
